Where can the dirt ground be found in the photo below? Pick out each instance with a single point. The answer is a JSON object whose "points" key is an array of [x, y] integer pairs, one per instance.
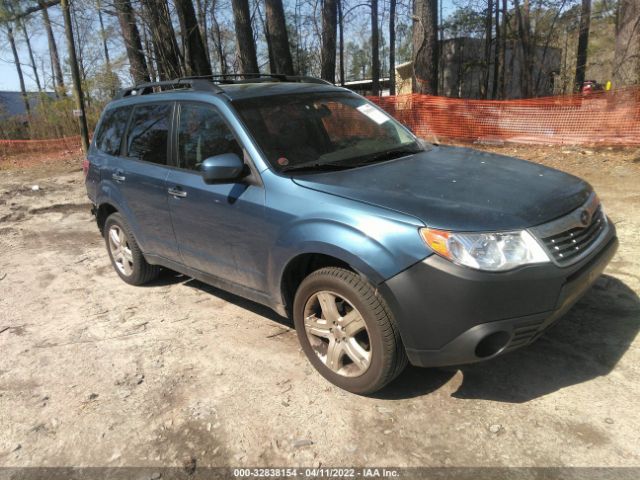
{"points": [[94, 372]]}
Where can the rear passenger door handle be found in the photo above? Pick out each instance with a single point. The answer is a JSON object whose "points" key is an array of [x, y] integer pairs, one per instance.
{"points": [[118, 178], [177, 192]]}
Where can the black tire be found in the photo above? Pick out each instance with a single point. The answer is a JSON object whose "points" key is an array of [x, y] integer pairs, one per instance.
{"points": [[140, 271], [387, 356]]}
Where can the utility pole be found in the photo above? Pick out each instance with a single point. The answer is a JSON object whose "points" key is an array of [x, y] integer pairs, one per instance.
{"points": [[75, 74]]}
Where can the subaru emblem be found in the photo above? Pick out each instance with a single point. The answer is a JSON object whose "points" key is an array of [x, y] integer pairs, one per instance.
{"points": [[584, 217]]}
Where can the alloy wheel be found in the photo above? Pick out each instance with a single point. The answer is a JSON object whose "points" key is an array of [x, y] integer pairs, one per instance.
{"points": [[120, 250], [337, 333]]}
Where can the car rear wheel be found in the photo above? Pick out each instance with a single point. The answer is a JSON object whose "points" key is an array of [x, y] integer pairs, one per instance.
{"points": [[347, 331], [126, 257]]}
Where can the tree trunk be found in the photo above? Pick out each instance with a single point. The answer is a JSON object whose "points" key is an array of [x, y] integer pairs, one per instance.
{"points": [[197, 62], [103, 36], [75, 75], [133, 45], [244, 37], [16, 61], [165, 45], [329, 31], [502, 87], [31, 58], [201, 12], [278, 38], [218, 42], [627, 54], [53, 52], [496, 53], [425, 46], [583, 44], [392, 47], [341, 34], [375, 50], [524, 29], [488, 28]]}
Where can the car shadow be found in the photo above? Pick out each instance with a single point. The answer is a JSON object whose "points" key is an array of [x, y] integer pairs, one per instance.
{"points": [[169, 277], [587, 343]]}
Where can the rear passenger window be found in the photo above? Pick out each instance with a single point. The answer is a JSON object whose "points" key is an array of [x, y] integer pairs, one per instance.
{"points": [[111, 130], [148, 133], [202, 133]]}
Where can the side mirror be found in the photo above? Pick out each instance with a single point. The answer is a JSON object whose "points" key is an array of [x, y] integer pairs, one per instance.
{"points": [[225, 168]]}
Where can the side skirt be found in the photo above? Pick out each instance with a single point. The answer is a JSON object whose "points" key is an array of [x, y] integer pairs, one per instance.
{"points": [[231, 287]]}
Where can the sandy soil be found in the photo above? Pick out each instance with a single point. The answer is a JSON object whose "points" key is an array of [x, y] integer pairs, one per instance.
{"points": [[94, 372]]}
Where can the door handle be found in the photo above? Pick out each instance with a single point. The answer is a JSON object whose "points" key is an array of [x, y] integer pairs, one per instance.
{"points": [[118, 178], [177, 192]]}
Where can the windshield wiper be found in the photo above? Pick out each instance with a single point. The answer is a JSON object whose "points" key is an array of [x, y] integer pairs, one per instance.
{"points": [[388, 155], [315, 166]]}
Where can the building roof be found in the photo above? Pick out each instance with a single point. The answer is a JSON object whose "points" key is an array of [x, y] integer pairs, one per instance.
{"points": [[12, 104]]}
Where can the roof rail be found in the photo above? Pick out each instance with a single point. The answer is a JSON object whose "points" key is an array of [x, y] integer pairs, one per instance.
{"points": [[198, 84], [210, 83]]}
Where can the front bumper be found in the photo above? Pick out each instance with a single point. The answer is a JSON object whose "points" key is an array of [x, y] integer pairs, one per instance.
{"points": [[452, 315]]}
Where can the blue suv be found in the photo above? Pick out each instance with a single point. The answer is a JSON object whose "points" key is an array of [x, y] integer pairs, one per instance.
{"points": [[307, 198]]}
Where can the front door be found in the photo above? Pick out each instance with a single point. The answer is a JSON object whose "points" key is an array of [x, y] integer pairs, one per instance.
{"points": [[218, 227]]}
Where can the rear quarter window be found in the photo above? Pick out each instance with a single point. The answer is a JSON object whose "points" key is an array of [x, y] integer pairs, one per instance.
{"points": [[149, 132], [109, 136]]}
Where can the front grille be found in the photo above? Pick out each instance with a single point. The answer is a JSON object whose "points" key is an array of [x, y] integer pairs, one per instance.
{"points": [[568, 245]]}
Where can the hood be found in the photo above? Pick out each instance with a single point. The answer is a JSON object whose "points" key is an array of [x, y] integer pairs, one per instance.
{"points": [[459, 189]]}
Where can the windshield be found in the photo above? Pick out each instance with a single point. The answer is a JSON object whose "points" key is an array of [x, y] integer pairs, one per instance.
{"points": [[317, 131]]}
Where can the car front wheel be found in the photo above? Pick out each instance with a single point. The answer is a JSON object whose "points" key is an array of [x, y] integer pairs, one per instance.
{"points": [[347, 331]]}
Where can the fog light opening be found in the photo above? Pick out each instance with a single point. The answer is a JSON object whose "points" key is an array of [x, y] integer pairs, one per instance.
{"points": [[492, 344]]}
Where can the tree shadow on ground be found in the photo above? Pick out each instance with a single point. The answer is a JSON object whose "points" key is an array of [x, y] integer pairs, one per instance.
{"points": [[587, 343]]}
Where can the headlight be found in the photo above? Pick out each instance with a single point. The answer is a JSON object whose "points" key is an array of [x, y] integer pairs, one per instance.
{"points": [[486, 251]]}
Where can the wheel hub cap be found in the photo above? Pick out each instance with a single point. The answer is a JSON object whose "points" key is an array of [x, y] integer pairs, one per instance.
{"points": [[337, 333], [120, 250]]}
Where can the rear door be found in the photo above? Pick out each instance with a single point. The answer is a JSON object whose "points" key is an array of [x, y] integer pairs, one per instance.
{"points": [[219, 227], [142, 178]]}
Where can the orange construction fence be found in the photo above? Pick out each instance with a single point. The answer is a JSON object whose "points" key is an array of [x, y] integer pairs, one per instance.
{"points": [[13, 147], [600, 118]]}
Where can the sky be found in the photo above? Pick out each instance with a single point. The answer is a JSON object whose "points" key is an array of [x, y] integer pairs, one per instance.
{"points": [[9, 77]]}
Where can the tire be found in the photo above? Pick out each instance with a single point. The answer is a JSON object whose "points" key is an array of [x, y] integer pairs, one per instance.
{"points": [[362, 351], [128, 262]]}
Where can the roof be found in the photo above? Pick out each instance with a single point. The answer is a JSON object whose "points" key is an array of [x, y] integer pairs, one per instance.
{"points": [[12, 104]]}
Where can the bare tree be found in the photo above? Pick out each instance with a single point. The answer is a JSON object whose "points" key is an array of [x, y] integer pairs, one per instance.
{"points": [[278, 39], [627, 55], [53, 51], [168, 58], [75, 75], [524, 29], [488, 29], [425, 46], [496, 52], [197, 62], [217, 41], [103, 36], [244, 37], [329, 32], [18, 65], [502, 80], [132, 42], [34, 68], [392, 47], [583, 43], [375, 50]]}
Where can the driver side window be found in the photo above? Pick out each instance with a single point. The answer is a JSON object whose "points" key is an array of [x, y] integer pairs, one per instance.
{"points": [[202, 133]]}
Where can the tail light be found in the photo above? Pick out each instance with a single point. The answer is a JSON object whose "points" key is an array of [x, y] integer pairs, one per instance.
{"points": [[85, 167]]}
